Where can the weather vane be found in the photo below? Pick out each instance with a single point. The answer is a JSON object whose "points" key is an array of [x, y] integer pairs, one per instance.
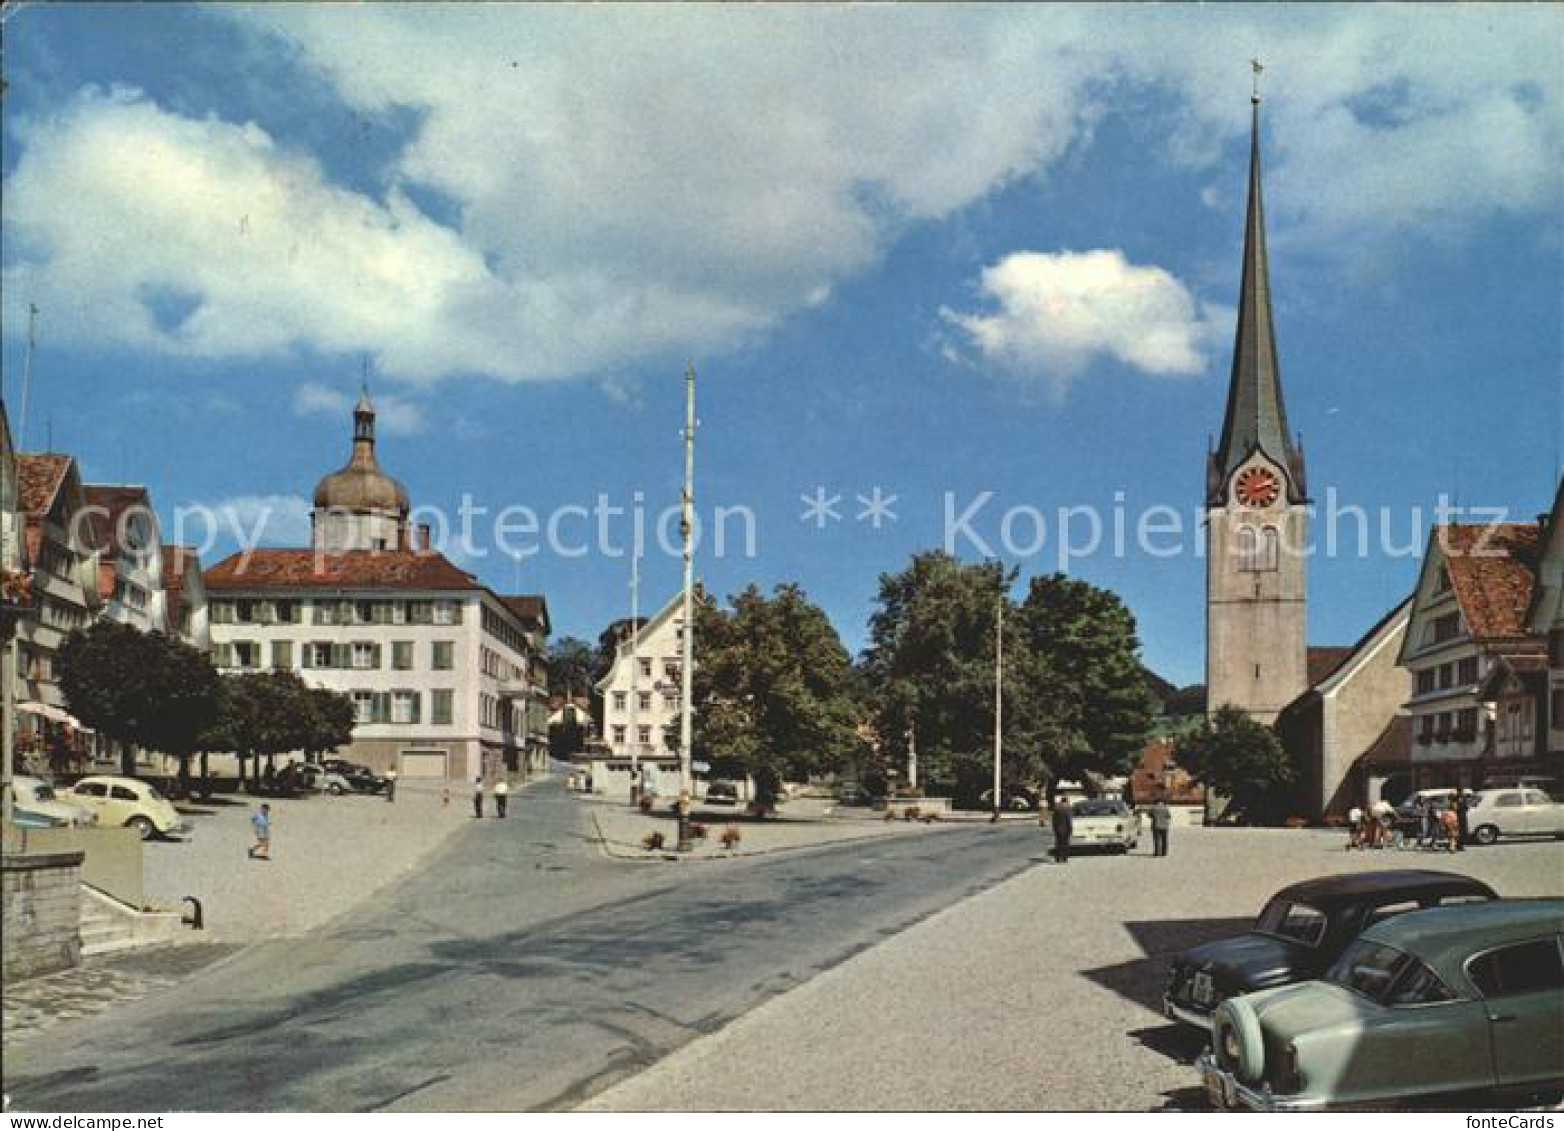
{"points": [[1256, 66]]}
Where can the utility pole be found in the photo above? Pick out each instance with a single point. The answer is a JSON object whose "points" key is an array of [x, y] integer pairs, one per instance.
{"points": [[912, 755], [635, 674], [999, 697], [686, 527]]}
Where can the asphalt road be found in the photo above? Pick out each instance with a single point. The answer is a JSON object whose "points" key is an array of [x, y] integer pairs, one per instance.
{"points": [[518, 970]]}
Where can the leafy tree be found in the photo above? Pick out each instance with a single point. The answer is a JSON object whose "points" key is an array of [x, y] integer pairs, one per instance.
{"points": [[268, 713], [930, 669], [332, 716], [1097, 703], [772, 690], [140, 689], [572, 667], [1241, 759]]}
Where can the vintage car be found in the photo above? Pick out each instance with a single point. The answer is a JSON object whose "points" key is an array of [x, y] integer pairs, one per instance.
{"points": [[127, 801], [1425, 1006], [1300, 932], [34, 805], [1513, 812], [1104, 823]]}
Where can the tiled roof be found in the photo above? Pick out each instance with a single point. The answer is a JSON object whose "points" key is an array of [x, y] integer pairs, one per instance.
{"points": [[1394, 744], [1492, 569], [39, 476], [1325, 659], [352, 569], [527, 607], [1156, 775], [112, 501]]}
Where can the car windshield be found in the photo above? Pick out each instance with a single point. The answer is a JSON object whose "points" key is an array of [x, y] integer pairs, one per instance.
{"points": [[1097, 809], [1295, 921], [1368, 968]]}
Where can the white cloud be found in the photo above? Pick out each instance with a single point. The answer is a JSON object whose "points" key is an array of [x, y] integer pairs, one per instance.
{"points": [[395, 416], [630, 183], [1057, 313]]}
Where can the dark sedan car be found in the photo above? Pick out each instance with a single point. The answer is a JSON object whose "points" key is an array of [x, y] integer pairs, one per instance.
{"points": [[1300, 932], [361, 778]]}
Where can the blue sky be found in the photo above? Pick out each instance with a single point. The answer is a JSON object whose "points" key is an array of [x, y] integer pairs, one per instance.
{"points": [[931, 250]]}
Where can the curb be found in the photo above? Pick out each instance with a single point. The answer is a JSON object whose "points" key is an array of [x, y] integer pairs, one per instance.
{"points": [[641, 855]]}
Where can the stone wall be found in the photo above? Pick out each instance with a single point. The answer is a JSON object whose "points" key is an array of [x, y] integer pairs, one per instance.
{"points": [[40, 914]]}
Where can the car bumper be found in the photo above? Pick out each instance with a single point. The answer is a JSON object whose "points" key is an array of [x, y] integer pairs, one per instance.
{"points": [[1176, 1011], [1226, 1090]]}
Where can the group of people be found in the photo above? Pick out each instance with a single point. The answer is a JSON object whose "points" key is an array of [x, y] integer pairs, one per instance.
{"points": [[1063, 823], [1433, 825]]}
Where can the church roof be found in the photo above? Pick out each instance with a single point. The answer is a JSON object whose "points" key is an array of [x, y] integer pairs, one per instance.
{"points": [[39, 477], [1256, 418], [1492, 568], [360, 485], [528, 607], [1324, 659], [351, 569]]}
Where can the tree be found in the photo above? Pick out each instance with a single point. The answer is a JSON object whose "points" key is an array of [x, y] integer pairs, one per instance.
{"points": [[331, 719], [929, 667], [1082, 640], [772, 690], [572, 667], [1241, 759], [268, 713], [140, 689]]}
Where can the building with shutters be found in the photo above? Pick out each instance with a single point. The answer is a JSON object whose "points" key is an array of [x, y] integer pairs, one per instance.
{"points": [[446, 675]]}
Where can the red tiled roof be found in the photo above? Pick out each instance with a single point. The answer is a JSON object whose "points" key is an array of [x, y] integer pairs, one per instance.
{"points": [[352, 569], [39, 476], [1156, 776], [1492, 569], [1325, 659], [110, 503], [1393, 746]]}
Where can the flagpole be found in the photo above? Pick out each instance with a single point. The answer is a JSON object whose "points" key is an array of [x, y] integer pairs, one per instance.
{"points": [[635, 674], [999, 698], [686, 526]]}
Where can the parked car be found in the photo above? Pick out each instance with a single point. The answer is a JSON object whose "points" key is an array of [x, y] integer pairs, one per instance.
{"points": [[319, 779], [34, 805], [1300, 932], [1422, 1006], [1513, 812], [127, 801], [722, 793], [852, 793], [359, 778], [1104, 822]]}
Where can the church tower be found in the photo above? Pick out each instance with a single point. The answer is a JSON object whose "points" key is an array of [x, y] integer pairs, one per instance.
{"points": [[360, 507], [1256, 653]]}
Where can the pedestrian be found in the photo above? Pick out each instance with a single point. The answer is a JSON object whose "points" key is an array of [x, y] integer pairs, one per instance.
{"points": [[1161, 822], [1425, 832], [1354, 828], [445, 797], [261, 822], [477, 796], [1063, 825], [1463, 802], [501, 795], [391, 784]]}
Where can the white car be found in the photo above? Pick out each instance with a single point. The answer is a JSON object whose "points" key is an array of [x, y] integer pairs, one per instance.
{"points": [[1108, 823], [35, 806], [1518, 811], [127, 801]]}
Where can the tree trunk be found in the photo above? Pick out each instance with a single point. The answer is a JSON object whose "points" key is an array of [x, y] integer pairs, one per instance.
{"points": [[127, 760], [184, 775], [206, 776]]}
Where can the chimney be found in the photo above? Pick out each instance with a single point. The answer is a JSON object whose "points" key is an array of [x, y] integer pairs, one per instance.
{"points": [[423, 536]]}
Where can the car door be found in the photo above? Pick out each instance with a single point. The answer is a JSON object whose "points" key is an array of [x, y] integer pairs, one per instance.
{"points": [[1508, 812], [1522, 985], [93, 795], [1541, 815]]}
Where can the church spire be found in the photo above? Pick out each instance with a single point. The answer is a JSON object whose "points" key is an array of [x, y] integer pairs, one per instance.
{"points": [[1256, 415]]}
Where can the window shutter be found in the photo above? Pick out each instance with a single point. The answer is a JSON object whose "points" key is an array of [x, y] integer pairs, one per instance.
{"points": [[224, 654], [456, 612], [374, 656], [309, 655], [417, 707], [341, 656], [381, 710]]}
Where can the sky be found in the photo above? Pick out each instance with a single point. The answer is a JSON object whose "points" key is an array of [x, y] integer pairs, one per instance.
{"points": [[948, 276]]}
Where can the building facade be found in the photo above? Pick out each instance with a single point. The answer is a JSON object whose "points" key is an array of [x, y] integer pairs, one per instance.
{"points": [[62, 541], [447, 677], [184, 597], [130, 559], [641, 701], [1255, 508], [1468, 623]]}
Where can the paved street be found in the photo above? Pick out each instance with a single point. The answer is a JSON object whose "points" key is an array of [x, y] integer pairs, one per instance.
{"points": [[518, 969]]}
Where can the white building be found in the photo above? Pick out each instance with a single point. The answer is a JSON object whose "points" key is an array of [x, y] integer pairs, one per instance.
{"points": [[447, 676], [641, 702], [130, 562]]}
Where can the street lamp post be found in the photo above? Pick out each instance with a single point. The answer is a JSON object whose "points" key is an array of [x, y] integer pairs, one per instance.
{"points": [[999, 698], [687, 665]]}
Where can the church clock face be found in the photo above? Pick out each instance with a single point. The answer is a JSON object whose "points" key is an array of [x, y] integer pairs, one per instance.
{"points": [[1257, 487]]}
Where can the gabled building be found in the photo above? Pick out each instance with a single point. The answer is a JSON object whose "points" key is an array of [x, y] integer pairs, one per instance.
{"points": [[130, 564], [1346, 733], [184, 597], [1468, 627], [62, 540], [641, 699]]}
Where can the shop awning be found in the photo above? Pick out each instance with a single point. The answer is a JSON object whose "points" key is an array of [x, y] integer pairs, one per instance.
{"points": [[49, 711]]}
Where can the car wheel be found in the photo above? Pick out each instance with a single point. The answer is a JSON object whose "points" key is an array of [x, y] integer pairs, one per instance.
{"points": [[334, 789], [144, 828], [1238, 1040], [1485, 834]]}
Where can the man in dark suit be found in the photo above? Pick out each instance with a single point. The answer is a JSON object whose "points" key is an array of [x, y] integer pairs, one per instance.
{"points": [[1063, 825]]}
